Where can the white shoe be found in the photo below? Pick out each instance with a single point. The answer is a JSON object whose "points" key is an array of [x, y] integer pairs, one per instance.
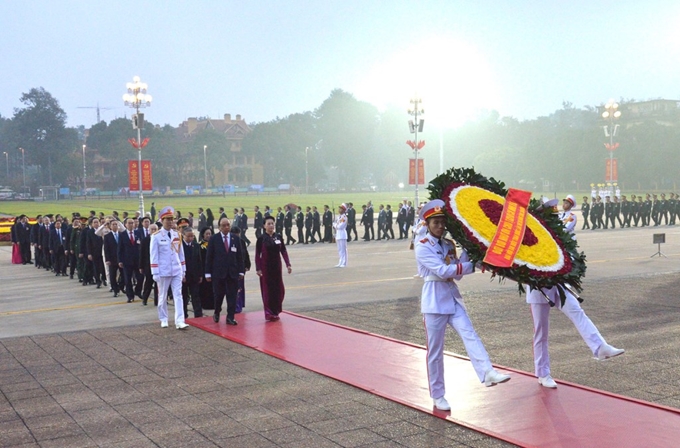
{"points": [[493, 377], [606, 351], [547, 381], [441, 404], [181, 326], [164, 324]]}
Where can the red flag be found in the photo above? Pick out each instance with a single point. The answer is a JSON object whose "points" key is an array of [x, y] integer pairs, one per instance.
{"points": [[133, 142], [145, 141], [411, 144], [421, 144]]}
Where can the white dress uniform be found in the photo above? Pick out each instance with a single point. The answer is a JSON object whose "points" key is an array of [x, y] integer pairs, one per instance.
{"points": [[540, 310], [442, 304], [340, 226], [168, 268]]}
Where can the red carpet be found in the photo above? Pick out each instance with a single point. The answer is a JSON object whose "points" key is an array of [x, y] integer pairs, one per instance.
{"points": [[520, 411]]}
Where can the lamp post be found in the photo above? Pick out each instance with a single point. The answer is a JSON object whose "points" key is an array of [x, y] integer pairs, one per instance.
{"points": [[7, 162], [611, 113], [84, 174], [306, 170], [416, 125], [137, 98], [23, 166], [205, 167]]}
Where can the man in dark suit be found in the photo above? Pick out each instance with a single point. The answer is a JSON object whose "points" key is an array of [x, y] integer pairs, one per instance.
{"points": [[194, 274], [309, 224], [223, 267], [243, 225], [258, 222], [111, 244], [327, 221], [288, 225], [351, 222], [410, 217], [369, 219], [145, 267], [57, 249], [82, 254], [280, 217], [35, 241], [24, 237], [300, 224], [388, 222], [381, 222], [45, 243], [316, 221], [95, 244], [128, 260], [364, 222]]}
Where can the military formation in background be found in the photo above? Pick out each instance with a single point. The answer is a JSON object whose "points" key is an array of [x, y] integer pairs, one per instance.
{"points": [[612, 212]]}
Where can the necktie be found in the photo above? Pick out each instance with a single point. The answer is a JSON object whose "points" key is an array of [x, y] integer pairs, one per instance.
{"points": [[170, 235], [132, 239], [115, 235], [226, 243], [59, 234]]}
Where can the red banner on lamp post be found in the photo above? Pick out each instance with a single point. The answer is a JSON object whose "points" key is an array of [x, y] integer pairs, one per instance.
{"points": [[133, 175], [412, 172], [612, 174]]}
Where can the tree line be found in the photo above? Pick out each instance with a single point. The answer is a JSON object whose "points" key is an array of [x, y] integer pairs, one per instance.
{"points": [[348, 144]]}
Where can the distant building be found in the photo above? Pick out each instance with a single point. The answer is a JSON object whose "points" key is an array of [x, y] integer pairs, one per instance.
{"points": [[663, 112], [241, 169]]}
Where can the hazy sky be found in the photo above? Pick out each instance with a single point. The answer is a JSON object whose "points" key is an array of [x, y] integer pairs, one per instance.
{"points": [[264, 59]]}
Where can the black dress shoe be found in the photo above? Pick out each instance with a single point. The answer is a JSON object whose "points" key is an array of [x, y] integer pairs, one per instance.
{"points": [[129, 301], [99, 285], [104, 282], [115, 294], [216, 317], [71, 276], [231, 322]]}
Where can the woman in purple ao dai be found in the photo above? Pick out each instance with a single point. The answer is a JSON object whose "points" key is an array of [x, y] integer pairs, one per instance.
{"points": [[268, 252]]}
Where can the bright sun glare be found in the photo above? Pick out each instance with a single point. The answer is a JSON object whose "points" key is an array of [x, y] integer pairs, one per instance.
{"points": [[452, 79]]}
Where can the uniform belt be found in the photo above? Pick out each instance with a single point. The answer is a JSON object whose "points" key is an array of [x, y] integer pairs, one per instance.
{"points": [[434, 278]]}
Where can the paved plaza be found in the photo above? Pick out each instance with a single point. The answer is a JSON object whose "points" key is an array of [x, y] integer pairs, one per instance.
{"points": [[79, 368]]}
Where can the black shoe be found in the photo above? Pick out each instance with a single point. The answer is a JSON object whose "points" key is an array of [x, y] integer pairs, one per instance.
{"points": [[231, 322], [71, 276], [115, 294], [104, 282], [99, 285], [129, 301], [216, 317]]}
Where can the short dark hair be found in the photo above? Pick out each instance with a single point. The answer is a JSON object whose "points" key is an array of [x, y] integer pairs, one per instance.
{"points": [[270, 217]]}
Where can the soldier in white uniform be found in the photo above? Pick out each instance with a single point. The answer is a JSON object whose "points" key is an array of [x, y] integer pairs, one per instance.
{"points": [[442, 304], [168, 268], [340, 226], [540, 310]]}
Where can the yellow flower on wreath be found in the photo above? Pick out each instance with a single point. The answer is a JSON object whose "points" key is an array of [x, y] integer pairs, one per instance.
{"points": [[545, 256]]}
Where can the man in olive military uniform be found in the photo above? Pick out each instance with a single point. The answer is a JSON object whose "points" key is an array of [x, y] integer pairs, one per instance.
{"points": [[594, 210], [647, 210], [655, 209], [585, 210], [625, 212], [672, 208], [663, 209], [388, 222], [608, 212], [327, 224]]}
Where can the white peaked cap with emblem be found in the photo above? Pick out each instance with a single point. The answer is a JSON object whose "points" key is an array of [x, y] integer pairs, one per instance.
{"points": [[433, 208], [549, 203], [166, 212], [570, 198]]}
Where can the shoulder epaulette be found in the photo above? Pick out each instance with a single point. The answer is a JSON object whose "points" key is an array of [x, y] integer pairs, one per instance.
{"points": [[424, 240], [157, 231]]}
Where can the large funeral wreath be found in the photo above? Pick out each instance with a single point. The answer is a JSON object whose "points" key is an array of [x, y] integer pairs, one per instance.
{"points": [[548, 255]]}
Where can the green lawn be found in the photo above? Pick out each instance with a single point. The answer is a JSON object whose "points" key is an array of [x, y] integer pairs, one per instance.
{"points": [[191, 203]]}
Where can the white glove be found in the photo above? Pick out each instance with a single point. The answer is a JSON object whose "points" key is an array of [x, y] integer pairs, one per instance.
{"points": [[156, 278]]}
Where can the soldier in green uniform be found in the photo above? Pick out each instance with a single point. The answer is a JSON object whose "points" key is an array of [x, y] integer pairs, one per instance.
{"points": [[585, 210]]}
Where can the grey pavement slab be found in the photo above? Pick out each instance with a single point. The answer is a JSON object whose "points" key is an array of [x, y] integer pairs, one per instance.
{"points": [[81, 368]]}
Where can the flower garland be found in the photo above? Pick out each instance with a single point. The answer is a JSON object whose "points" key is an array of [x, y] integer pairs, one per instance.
{"points": [[548, 255]]}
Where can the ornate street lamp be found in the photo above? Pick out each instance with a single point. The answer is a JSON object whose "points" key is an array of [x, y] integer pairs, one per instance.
{"points": [[205, 168], [137, 98], [415, 126], [611, 113]]}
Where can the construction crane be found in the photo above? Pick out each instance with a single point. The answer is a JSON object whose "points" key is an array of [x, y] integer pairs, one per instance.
{"points": [[98, 109]]}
